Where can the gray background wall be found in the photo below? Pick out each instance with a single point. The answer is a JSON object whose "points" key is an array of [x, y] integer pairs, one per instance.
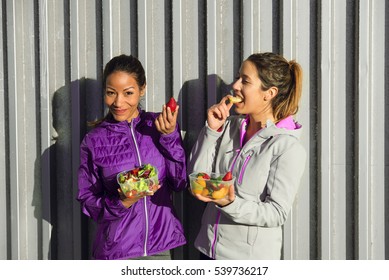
{"points": [[51, 58]]}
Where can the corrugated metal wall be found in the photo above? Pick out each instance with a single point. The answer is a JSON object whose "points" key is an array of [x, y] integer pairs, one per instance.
{"points": [[52, 53]]}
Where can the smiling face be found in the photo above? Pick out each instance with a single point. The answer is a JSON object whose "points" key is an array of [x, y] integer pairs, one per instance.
{"points": [[122, 95], [248, 86]]}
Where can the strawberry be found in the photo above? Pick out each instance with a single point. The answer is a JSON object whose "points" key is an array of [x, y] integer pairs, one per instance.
{"points": [[228, 176], [172, 104], [134, 171], [203, 175]]}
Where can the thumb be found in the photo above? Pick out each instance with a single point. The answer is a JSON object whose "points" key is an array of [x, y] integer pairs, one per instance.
{"points": [[231, 193]]}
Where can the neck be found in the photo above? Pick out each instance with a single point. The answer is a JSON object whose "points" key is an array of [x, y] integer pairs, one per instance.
{"points": [[258, 122]]}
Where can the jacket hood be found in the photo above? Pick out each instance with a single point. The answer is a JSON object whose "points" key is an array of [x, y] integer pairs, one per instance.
{"points": [[286, 126]]}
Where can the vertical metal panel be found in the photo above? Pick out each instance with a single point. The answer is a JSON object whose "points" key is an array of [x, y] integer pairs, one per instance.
{"points": [[23, 126], [3, 142], [46, 132], [154, 14], [78, 38], [295, 45], [371, 142], [334, 129], [258, 23], [221, 44], [340, 128], [337, 132], [377, 160], [325, 124], [13, 131], [52, 54]]}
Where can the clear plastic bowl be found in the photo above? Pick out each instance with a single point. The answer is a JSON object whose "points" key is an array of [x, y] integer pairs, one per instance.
{"points": [[135, 186], [214, 188]]}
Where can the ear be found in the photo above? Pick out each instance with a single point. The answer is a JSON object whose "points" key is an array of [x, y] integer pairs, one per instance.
{"points": [[271, 93], [143, 90]]}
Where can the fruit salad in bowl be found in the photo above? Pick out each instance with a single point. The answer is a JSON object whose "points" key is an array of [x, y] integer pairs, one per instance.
{"points": [[211, 185], [138, 181]]}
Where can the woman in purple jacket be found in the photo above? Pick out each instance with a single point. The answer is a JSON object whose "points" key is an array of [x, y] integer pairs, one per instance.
{"points": [[128, 137]]}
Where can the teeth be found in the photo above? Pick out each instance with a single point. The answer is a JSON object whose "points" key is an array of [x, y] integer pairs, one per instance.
{"points": [[235, 99]]}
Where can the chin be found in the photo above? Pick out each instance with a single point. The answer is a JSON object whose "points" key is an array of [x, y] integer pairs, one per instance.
{"points": [[119, 118], [239, 111]]}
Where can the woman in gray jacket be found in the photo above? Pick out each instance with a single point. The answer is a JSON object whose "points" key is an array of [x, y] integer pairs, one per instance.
{"points": [[261, 148]]}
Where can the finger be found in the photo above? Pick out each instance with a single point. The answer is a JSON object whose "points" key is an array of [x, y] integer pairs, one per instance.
{"points": [[215, 112], [121, 194], [157, 125], [229, 106], [172, 117], [155, 188], [203, 198], [161, 124], [169, 116], [165, 118], [224, 112], [226, 101], [165, 112], [231, 193]]}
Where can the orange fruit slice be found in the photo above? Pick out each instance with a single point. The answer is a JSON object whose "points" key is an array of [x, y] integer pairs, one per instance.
{"points": [[220, 193], [205, 192]]}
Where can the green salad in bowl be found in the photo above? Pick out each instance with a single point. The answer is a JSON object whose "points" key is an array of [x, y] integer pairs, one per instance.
{"points": [[138, 181]]}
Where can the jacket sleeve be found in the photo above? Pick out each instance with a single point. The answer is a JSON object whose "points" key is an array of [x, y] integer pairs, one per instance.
{"points": [[94, 202], [203, 152], [283, 183], [175, 159]]}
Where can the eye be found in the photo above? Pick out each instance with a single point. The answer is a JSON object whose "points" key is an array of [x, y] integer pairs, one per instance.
{"points": [[109, 93], [128, 93]]}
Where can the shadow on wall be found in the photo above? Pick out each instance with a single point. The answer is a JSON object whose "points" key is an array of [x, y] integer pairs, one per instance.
{"points": [[55, 196], [195, 97]]}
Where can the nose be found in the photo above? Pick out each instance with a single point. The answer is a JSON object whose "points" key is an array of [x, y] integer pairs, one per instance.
{"points": [[236, 85], [118, 100]]}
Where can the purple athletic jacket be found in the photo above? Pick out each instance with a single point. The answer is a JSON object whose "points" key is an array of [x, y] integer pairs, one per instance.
{"points": [[150, 225]]}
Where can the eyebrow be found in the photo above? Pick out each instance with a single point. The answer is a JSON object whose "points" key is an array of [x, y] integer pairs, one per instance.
{"points": [[130, 87], [246, 76]]}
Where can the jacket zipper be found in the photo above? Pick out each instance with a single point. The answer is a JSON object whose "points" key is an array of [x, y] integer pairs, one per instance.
{"points": [[246, 161], [144, 199], [237, 151], [215, 235]]}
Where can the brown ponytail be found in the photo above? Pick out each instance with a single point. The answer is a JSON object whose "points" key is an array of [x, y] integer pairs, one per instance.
{"points": [[291, 99]]}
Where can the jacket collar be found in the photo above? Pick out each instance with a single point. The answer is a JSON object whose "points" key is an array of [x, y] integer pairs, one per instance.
{"points": [[286, 126], [111, 124]]}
